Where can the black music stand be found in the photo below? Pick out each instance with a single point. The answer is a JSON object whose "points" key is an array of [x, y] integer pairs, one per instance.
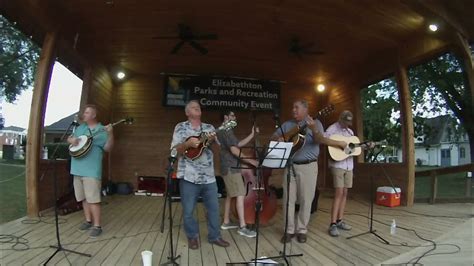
{"points": [[371, 219], [58, 247], [168, 199], [290, 168], [261, 156]]}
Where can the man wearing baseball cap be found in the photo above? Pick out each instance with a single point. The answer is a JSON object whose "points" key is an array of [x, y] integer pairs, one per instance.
{"points": [[342, 174]]}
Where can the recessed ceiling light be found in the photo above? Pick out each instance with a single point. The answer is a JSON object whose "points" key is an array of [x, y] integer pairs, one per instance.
{"points": [[321, 87], [120, 75], [433, 27]]}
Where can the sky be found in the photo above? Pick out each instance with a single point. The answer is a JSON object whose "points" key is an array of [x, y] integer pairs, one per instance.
{"points": [[63, 100]]}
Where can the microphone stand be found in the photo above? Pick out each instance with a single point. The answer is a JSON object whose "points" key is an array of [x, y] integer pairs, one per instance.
{"points": [[372, 196], [172, 258], [290, 168], [58, 247]]}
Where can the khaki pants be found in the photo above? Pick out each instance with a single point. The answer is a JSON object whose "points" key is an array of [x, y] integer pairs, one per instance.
{"points": [[302, 189]]}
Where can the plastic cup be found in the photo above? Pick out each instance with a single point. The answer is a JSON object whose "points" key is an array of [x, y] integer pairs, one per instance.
{"points": [[146, 257]]}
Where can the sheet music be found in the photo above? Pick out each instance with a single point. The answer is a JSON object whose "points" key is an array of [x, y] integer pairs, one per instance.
{"points": [[278, 153]]}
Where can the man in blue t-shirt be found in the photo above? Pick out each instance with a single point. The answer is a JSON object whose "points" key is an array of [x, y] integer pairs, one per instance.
{"points": [[87, 169]]}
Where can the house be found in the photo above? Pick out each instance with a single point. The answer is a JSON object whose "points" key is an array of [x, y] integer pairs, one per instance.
{"points": [[12, 135], [54, 132], [441, 145], [11, 139]]}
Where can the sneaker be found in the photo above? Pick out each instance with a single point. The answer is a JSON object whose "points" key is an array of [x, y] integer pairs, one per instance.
{"points": [[244, 231], [230, 225], [301, 238], [342, 225], [333, 230], [85, 226], [95, 232]]}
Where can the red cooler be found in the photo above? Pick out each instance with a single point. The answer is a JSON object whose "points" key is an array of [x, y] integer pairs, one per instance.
{"points": [[387, 196]]}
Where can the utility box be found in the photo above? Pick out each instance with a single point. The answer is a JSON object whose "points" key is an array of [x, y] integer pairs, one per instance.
{"points": [[8, 152]]}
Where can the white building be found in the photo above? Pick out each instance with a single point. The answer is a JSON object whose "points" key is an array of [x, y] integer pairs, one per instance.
{"points": [[441, 147]]}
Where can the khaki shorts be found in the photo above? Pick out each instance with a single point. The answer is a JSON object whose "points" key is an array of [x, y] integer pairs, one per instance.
{"points": [[342, 178], [234, 185], [87, 188]]}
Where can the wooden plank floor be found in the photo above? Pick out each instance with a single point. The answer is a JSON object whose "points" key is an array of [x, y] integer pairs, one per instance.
{"points": [[132, 224]]}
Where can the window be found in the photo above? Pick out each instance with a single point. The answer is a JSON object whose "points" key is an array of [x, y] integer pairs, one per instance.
{"points": [[462, 153]]}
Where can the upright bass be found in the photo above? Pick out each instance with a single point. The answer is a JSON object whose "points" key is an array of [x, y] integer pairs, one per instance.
{"points": [[267, 198]]}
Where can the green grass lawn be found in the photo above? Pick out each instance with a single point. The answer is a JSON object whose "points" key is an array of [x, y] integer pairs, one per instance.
{"points": [[12, 190], [449, 186]]}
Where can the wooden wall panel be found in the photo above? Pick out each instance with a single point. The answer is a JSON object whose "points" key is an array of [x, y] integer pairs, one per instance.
{"points": [[143, 148], [101, 92]]}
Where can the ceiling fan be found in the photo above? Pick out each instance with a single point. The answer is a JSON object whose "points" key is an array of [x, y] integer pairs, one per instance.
{"points": [[299, 49], [186, 35]]}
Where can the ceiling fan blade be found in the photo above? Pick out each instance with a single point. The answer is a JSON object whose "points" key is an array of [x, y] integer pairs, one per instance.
{"points": [[177, 47], [307, 46], [314, 52], [206, 37], [198, 47], [166, 37]]}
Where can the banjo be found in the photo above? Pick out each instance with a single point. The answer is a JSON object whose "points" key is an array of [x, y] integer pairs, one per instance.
{"points": [[85, 142]]}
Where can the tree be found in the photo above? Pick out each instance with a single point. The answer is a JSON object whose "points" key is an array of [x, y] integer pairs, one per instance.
{"points": [[18, 59], [443, 82], [437, 87]]}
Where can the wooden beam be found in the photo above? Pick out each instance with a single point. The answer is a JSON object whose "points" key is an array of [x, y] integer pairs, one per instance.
{"points": [[86, 86], [408, 140], [464, 52], [35, 125]]}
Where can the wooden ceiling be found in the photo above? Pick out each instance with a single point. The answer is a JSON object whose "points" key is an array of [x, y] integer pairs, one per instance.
{"points": [[253, 36]]}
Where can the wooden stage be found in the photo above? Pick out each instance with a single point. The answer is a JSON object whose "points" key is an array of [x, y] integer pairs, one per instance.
{"points": [[132, 224]]}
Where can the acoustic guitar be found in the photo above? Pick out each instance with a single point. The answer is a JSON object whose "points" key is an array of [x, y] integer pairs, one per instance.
{"points": [[353, 148], [194, 153], [297, 134]]}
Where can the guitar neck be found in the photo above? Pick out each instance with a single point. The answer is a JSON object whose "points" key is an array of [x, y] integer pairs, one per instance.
{"points": [[103, 129]]}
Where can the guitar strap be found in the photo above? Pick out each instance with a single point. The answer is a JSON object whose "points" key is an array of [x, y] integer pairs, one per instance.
{"points": [[90, 132]]}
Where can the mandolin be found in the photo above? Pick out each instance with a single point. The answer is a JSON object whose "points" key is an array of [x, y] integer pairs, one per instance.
{"points": [[194, 153]]}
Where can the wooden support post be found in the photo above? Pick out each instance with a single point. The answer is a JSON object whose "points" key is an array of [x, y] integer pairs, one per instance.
{"points": [[434, 187], [464, 52], [35, 125], [468, 187], [408, 140], [86, 86]]}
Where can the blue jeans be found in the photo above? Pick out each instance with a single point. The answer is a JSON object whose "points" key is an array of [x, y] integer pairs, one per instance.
{"points": [[189, 196]]}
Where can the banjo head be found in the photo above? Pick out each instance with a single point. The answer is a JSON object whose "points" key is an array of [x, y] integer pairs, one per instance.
{"points": [[85, 143], [80, 145]]}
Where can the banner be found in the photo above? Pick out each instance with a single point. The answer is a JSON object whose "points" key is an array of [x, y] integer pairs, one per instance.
{"points": [[222, 92]]}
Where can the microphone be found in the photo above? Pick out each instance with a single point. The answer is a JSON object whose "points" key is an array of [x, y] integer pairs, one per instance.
{"points": [[74, 123], [276, 117], [173, 155]]}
